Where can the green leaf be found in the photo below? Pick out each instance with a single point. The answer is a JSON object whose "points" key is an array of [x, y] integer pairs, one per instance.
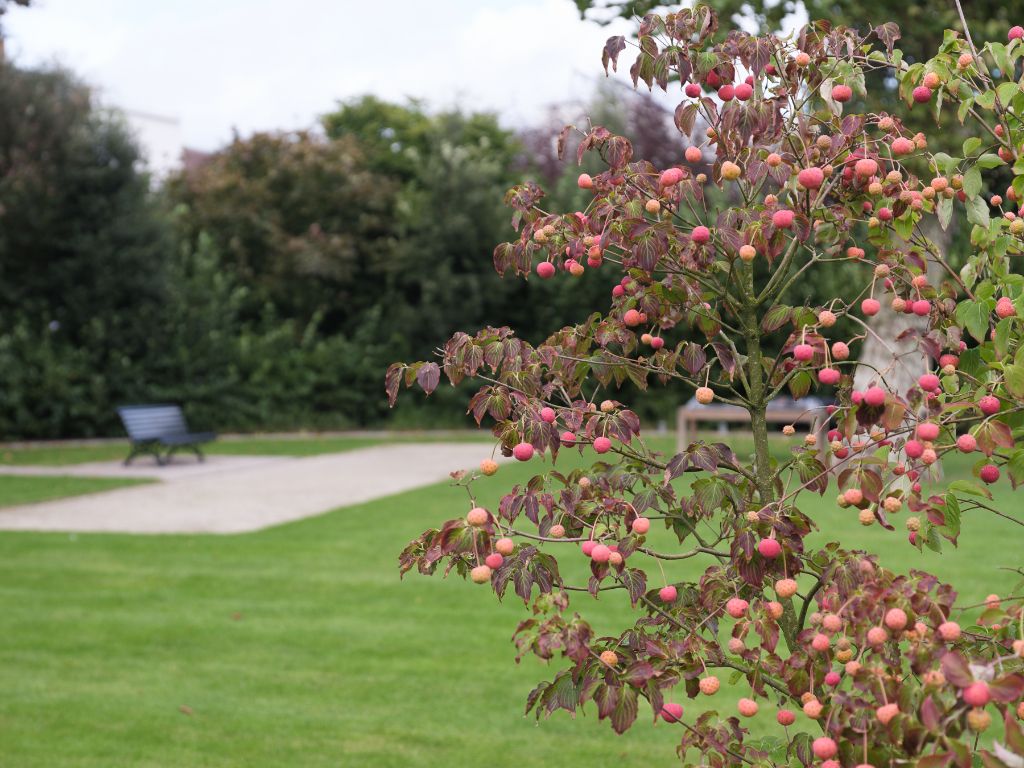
{"points": [[990, 160], [964, 109], [972, 182], [951, 528], [1015, 466], [977, 211], [904, 225], [1002, 340], [971, 146], [945, 211], [973, 315], [1006, 92], [971, 488], [986, 99], [1014, 380]]}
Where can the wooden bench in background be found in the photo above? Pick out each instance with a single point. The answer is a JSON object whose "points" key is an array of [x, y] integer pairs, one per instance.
{"points": [[160, 428], [688, 416]]}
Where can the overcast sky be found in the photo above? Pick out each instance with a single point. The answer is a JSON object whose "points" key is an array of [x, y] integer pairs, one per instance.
{"points": [[263, 64]]}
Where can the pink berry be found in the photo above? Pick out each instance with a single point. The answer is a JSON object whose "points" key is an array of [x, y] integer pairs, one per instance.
{"points": [[829, 376], [1005, 308], [668, 594], [641, 525], [949, 631], [866, 167], [927, 430], [831, 623], [670, 177], [820, 642], [874, 396], [747, 707], [700, 234], [504, 546], [785, 717], [744, 91], [870, 307], [921, 307], [886, 713], [914, 449], [803, 352], [896, 619], [692, 90], [989, 473], [840, 350], [842, 93], [523, 451], [877, 636], [989, 404], [736, 607], [769, 548], [832, 679], [977, 694], [966, 443], [928, 382], [494, 560], [548, 415], [902, 146], [726, 92], [709, 685], [545, 270], [1015, 33], [602, 444], [587, 547], [671, 712], [585, 181], [811, 178], [568, 439], [922, 94], [600, 553], [824, 748], [783, 218], [632, 318]]}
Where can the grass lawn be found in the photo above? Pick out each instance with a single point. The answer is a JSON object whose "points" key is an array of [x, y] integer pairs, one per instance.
{"points": [[25, 489], [300, 646], [298, 445]]}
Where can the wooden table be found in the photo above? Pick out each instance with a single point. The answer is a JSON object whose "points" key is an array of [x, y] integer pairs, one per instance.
{"points": [[688, 416]]}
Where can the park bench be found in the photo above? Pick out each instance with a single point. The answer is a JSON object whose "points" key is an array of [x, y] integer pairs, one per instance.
{"points": [[160, 428], [693, 412]]}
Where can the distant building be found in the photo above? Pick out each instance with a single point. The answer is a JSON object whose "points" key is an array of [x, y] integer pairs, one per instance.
{"points": [[160, 139]]}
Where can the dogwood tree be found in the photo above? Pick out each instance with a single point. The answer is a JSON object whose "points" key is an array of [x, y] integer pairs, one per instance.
{"points": [[864, 665]]}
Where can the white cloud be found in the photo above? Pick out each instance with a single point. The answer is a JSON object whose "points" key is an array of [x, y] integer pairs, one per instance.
{"points": [[262, 64]]}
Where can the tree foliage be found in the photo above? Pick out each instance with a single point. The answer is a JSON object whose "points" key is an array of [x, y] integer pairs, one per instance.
{"points": [[875, 661]]}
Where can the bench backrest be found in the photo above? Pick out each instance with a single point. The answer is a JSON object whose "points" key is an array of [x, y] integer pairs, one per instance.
{"points": [[148, 422]]}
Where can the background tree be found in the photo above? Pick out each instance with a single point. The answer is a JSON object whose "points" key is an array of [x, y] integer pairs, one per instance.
{"points": [[81, 256]]}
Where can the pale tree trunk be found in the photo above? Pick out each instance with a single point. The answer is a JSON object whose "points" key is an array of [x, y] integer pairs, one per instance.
{"points": [[902, 362], [899, 363]]}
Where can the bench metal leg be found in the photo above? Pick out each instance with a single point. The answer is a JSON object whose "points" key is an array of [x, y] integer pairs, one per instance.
{"points": [[138, 449]]}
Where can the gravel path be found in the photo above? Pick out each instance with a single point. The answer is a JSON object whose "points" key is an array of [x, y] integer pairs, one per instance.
{"points": [[239, 494]]}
